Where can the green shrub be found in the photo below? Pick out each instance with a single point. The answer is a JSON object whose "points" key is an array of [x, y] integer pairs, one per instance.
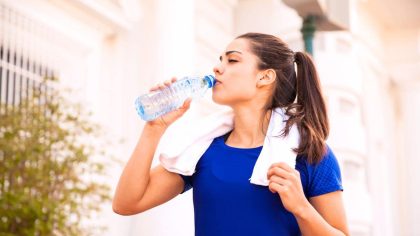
{"points": [[48, 180]]}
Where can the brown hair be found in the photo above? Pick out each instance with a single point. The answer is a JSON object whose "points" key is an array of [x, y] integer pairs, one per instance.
{"points": [[299, 94]]}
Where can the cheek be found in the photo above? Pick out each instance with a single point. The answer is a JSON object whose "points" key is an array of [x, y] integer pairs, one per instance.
{"points": [[229, 93]]}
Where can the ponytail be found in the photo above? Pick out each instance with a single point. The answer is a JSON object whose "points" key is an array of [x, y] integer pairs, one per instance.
{"points": [[299, 94], [313, 126]]}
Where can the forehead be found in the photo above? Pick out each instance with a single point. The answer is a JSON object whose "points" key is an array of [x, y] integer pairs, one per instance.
{"points": [[241, 45]]}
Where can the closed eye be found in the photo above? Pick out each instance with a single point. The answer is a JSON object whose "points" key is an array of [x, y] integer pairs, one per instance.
{"points": [[231, 61]]}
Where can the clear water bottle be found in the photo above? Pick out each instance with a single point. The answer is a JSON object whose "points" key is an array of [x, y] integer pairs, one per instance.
{"points": [[154, 104]]}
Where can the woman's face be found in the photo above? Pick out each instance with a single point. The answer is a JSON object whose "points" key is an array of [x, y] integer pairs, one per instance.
{"points": [[236, 74]]}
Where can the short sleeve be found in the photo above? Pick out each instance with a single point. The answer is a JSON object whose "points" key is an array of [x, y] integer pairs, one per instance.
{"points": [[187, 183], [321, 178]]}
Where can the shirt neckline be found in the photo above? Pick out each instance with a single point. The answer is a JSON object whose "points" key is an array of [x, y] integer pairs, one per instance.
{"points": [[224, 137]]}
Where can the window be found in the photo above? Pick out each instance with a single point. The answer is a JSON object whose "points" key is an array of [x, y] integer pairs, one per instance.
{"points": [[21, 71]]}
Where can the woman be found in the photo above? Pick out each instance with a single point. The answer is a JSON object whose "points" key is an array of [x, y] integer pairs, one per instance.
{"points": [[256, 74]]}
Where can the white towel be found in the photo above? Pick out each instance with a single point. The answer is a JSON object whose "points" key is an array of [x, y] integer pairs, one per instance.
{"points": [[184, 143]]}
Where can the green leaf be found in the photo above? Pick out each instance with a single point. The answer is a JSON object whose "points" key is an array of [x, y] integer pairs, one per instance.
{"points": [[45, 166]]}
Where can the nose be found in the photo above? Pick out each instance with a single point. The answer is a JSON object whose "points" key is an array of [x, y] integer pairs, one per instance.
{"points": [[218, 69]]}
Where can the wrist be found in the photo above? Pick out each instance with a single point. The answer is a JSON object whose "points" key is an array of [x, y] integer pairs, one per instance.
{"points": [[304, 210], [155, 128]]}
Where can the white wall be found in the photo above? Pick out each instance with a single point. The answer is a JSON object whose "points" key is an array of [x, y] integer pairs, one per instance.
{"points": [[409, 179], [403, 60], [342, 80]]}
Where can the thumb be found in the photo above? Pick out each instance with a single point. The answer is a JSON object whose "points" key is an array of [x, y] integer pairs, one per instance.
{"points": [[182, 109], [187, 103], [185, 106]]}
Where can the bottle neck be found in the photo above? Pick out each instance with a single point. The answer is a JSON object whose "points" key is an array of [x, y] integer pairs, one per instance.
{"points": [[209, 80]]}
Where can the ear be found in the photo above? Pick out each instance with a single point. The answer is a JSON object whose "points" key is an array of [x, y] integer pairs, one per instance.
{"points": [[266, 77]]}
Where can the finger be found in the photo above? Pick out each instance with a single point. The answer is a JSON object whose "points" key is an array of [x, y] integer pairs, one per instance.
{"points": [[284, 166], [154, 88], [279, 180], [181, 110], [157, 87], [186, 105], [167, 82], [188, 101], [279, 172], [161, 86], [275, 187]]}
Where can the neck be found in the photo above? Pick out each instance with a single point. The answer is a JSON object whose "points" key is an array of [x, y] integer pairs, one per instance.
{"points": [[250, 126]]}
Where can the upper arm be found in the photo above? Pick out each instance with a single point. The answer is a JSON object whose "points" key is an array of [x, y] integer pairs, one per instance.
{"points": [[163, 186], [330, 206], [324, 190]]}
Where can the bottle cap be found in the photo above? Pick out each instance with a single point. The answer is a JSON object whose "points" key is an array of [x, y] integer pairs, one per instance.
{"points": [[210, 79]]}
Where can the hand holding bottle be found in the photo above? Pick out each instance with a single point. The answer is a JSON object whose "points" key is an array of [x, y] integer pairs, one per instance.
{"points": [[167, 119], [171, 96]]}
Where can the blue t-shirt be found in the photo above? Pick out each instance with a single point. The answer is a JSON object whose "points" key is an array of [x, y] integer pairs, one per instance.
{"points": [[226, 203]]}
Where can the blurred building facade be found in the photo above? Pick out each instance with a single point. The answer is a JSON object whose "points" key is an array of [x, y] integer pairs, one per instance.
{"points": [[111, 51]]}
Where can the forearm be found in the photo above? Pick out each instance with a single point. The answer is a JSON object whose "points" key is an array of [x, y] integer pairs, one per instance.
{"points": [[135, 177], [312, 223]]}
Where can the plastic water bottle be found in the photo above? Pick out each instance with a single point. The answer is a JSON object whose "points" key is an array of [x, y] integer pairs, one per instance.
{"points": [[154, 104]]}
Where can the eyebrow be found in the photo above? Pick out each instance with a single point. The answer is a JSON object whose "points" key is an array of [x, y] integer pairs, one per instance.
{"points": [[229, 52]]}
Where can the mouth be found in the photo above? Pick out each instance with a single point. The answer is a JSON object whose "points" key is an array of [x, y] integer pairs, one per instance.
{"points": [[217, 81]]}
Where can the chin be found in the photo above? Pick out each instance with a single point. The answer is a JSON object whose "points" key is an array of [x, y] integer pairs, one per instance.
{"points": [[218, 100], [221, 100]]}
